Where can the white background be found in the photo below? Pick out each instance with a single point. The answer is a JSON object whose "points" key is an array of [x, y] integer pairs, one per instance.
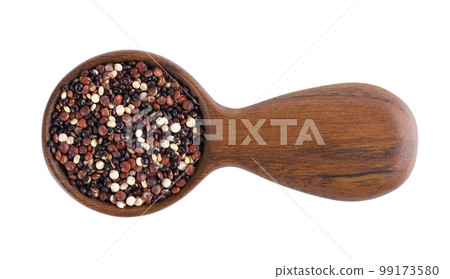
{"points": [[236, 50]]}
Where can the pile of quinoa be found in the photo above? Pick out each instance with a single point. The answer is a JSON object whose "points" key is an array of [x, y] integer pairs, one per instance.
{"points": [[126, 133]]}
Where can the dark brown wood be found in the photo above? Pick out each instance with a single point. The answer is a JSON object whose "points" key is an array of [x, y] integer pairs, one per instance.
{"points": [[369, 136]]}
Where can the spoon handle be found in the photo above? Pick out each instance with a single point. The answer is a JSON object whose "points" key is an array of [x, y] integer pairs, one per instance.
{"points": [[345, 141]]}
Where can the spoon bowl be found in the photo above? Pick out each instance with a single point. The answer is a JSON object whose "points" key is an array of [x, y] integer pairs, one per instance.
{"points": [[345, 141]]}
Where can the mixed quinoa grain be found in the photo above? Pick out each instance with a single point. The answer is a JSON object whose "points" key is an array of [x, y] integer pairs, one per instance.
{"points": [[126, 134]]}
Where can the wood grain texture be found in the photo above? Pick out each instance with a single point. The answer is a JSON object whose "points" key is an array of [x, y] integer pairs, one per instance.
{"points": [[370, 139]]}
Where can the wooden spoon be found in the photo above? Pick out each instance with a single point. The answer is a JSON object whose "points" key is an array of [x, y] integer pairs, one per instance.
{"points": [[358, 142]]}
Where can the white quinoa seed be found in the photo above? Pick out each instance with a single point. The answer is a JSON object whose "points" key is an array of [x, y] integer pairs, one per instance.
{"points": [[67, 109], [70, 140], [115, 187], [164, 144], [131, 180], [113, 74], [175, 127], [141, 140], [145, 145], [118, 67], [131, 200], [170, 138], [62, 137], [144, 184], [165, 128], [138, 133], [127, 110], [182, 166], [123, 186], [93, 107], [63, 95], [174, 147], [139, 201], [74, 121], [94, 143], [143, 87], [160, 121], [101, 90], [136, 84], [114, 174], [100, 165], [143, 95], [120, 204], [159, 157], [166, 182], [154, 158], [76, 159], [111, 124], [112, 199], [190, 122], [139, 161], [186, 160], [168, 84], [120, 110], [111, 105], [95, 98]]}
